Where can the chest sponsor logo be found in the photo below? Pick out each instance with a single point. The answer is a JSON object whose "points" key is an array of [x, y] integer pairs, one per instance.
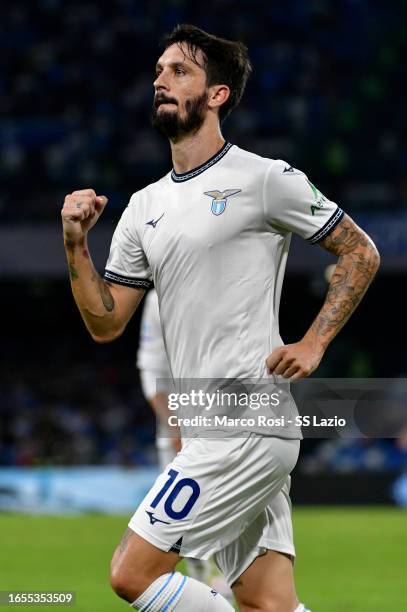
{"points": [[219, 200]]}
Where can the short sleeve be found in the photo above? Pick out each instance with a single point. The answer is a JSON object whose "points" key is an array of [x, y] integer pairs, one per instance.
{"points": [[293, 203], [127, 264]]}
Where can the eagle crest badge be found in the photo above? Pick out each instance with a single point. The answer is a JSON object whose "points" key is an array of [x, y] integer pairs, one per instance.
{"points": [[219, 200]]}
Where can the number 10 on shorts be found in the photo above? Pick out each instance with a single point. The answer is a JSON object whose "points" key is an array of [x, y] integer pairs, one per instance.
{"points": [[171, 490]]}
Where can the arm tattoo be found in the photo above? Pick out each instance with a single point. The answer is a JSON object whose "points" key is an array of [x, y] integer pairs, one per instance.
{"points": [[107, 299], [73, 273], [70, 250], [346, 238], [104, 291], [70, 244], [358, 261]]}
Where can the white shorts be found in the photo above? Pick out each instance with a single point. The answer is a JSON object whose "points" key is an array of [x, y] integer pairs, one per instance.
{"points": [[223, 497]]}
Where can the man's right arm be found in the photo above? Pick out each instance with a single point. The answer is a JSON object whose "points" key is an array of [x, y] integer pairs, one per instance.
{"points": [[105, 307]]}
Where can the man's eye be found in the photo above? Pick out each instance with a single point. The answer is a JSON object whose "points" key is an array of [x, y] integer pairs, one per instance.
{"points": [[180, 71]]}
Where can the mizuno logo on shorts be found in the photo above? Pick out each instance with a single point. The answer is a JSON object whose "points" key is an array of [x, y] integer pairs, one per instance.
{"points": [[154, 519]]}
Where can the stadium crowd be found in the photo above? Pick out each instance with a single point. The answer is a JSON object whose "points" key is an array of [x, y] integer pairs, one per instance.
{"points": [[76, 89], [88, 417]]}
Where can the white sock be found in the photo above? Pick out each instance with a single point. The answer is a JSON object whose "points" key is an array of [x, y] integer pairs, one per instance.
{"points": [[301, 608], [175, 591]]}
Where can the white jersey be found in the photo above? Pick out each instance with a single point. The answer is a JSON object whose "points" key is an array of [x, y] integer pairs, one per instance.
{"points": [[214, 241]]}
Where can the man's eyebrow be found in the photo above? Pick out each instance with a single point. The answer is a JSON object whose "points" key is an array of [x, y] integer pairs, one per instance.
{"points": [[182, 64]]}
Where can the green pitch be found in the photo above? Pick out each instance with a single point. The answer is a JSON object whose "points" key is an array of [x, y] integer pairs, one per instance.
{"points": [[349, 560]]}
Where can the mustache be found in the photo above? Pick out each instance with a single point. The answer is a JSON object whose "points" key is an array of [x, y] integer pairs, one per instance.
{"points": [[160, 99]]}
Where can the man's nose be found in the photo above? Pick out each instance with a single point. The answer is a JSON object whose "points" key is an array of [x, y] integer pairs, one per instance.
{"points": [[161, 82]]}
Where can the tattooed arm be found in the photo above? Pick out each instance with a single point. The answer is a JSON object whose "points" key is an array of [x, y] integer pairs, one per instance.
{"points": [[105, 307], [358, 262]]}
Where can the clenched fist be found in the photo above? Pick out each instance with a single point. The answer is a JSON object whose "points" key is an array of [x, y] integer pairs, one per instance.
{"points": [[80, 212]]}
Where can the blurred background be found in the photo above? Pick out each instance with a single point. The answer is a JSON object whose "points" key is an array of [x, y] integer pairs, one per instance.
{"points": [[327, 94]]}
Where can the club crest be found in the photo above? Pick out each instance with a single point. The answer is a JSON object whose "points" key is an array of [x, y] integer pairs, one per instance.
{"points": [[219, 200]]}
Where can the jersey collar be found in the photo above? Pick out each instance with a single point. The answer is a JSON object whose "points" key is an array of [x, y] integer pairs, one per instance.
{"points": [[185, 176]]}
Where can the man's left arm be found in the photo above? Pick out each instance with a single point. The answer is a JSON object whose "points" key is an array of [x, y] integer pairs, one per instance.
{"points": [[358, 262]]}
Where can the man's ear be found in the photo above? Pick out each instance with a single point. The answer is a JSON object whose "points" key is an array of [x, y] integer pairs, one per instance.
{"points": [[218, 94]]}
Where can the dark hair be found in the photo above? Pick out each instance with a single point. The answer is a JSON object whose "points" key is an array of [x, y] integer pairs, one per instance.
{"points": [[225, 61]]}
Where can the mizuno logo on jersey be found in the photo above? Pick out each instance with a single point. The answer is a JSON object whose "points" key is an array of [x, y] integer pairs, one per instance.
{"points": [[154, 520], [153, 222], [291, 171], [220, 198]]}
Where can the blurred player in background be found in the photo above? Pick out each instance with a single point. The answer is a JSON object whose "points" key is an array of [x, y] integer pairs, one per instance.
{"points": [[155, 379], [155, 376], [213, 235]]}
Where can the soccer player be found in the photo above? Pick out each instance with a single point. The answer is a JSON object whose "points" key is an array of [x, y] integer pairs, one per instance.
{"points": [[213, 235]]}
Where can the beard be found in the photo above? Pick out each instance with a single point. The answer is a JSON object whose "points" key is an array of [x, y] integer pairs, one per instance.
{"points": [[171, 125]]}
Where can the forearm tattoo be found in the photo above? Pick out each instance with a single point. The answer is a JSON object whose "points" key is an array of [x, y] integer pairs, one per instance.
{"points": [[73, 273], [358, 261], [107, 299], [70, 252], [103, 287]]}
